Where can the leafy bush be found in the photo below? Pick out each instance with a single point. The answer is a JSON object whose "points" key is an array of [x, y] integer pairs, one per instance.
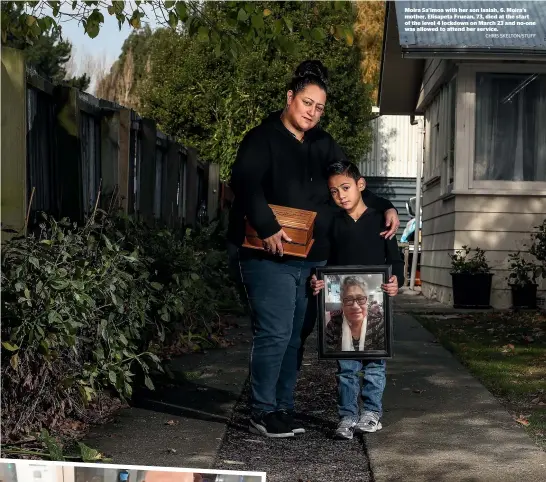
{"points": [[88, 309], [462, 263], [523, 273], [210, 102], [538, 247]]}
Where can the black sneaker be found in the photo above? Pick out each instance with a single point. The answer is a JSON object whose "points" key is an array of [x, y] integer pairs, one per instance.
{"points": [[270, 425], [288, 418]]}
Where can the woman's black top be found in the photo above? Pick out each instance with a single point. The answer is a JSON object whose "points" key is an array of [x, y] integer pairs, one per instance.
{"points": [[273, 167]]}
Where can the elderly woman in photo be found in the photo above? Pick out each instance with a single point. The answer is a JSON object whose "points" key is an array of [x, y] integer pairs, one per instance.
{"points": [[359, 326]]}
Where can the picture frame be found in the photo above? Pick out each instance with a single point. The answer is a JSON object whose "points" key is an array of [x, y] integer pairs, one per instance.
{"points": [[361, 330]]}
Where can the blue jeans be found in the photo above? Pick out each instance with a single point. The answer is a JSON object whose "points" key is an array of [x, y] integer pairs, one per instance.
{"points": [[349, 386], [277, 291], [309, 323]]}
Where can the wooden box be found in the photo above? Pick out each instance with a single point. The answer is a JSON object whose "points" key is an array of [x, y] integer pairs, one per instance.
{"points": [[298, 224]]}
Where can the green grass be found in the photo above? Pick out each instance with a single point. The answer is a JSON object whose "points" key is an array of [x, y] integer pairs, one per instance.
{"points": [[507, 353]]}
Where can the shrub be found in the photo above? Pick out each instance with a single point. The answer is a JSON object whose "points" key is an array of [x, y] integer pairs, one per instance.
{"points": [[462, 263], [88, 310], [522, 272], [538, 247]]}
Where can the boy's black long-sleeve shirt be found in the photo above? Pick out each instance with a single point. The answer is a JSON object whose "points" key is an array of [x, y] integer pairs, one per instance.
{"points": [[359, 243], [273, 167]]}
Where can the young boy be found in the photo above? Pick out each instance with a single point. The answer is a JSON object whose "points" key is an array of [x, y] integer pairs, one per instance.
{"points": [[356, 240]]}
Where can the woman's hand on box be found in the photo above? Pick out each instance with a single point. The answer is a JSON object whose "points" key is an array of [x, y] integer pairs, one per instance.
{"points": [[273, 244]]}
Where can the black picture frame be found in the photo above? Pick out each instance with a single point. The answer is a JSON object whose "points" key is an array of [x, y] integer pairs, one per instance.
{"points": [[330, 337]]}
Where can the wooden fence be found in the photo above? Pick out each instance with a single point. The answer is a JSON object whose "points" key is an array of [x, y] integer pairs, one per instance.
{"points": [[62, 147]]}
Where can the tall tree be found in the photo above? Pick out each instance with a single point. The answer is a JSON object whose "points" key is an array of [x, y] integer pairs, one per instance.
{"points": [[81, 83], [126, 74], [368, 28], [48, 55], [211, 102]]}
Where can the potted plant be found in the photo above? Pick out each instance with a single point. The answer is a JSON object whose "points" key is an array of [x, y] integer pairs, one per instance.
{"points": [[522, 281], [538, 250], [471, 279]]}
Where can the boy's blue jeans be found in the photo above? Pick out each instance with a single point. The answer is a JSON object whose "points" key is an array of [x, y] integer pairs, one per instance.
{"points": [[349, 386], [278, 293]]}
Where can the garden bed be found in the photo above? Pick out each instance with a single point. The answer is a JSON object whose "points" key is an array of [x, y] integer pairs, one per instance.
{"points": [[92, 312]]}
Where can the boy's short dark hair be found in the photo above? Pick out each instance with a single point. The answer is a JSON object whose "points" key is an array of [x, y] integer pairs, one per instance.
{"points": [[344, 168]]}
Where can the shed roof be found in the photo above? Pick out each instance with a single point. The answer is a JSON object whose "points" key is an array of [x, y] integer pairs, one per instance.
{"points": [[404, 51], [526, 37]]}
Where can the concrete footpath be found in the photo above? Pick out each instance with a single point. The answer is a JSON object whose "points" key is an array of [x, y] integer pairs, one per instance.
{"points": [[314, 456], [181, 424], [441, 424]]}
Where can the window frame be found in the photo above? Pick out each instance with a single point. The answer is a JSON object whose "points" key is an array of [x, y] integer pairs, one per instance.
{"points": [[450, 135], [438, 130], [466, 133], [433, 130]]}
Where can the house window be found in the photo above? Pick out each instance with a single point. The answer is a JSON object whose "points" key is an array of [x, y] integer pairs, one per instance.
{"points": [[510, 125], [432, 141], [440, 138]]}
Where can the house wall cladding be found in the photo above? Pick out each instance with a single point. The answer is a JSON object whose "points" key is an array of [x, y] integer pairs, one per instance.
{"points": [[499, 222], [396, 147], [390, 167], [77, 147]]}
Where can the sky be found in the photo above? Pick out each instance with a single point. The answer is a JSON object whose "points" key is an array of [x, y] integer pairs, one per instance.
{"points": [[104, 48]]}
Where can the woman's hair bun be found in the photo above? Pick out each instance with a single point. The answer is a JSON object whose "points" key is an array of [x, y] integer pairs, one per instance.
{"points": [[309, 72], [312, 68]]}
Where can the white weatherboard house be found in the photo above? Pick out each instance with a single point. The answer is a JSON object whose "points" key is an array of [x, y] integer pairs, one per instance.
{"points": [[484, 105]]}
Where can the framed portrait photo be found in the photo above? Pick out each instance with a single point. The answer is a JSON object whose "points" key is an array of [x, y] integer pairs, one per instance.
{"points": [[355, 315]]}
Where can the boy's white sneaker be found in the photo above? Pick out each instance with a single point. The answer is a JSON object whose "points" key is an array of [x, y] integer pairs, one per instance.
{"points": [[345, 428], [369, 422]]}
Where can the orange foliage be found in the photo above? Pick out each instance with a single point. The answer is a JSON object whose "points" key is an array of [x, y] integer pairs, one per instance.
{"points": [[369, 37]]}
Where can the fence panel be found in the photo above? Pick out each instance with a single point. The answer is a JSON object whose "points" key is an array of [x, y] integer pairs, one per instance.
{"points": [[159, 180], [171, 173], [74, 140], [134, 164], [90, 135], [42, 170], [213, 194], [182, 192]]}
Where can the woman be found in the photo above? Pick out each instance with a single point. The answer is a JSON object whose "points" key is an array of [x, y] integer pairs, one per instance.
{"points": [[283, 161], [359, 326]]}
